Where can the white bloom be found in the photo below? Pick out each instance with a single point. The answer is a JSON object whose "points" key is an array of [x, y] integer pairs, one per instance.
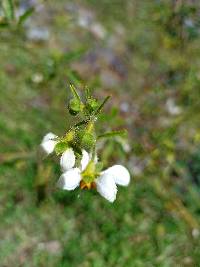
{"points": [[85, 159], [70, 180], [107, 181], [67, 160], [120, 174], [48, 143], [106, 187]]}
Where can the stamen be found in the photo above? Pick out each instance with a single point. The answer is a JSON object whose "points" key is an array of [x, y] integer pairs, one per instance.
{"points": [[90, 185]]}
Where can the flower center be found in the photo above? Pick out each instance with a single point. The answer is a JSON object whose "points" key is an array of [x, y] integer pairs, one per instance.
{"points": [[88, 175], [85, 185]]}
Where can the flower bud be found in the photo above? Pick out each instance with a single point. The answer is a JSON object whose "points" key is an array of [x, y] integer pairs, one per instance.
{"points": [[70, 136], [48, 143], [74, 106], [86, 138], [92, 104], [88, 141]]}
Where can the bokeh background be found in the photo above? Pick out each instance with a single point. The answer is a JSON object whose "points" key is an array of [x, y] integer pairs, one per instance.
{"points": [[146, 54]]}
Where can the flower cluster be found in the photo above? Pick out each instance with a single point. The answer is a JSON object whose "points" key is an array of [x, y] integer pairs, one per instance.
{"points": [[77, 149]]}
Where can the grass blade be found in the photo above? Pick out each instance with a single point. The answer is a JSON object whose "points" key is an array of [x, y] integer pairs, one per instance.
{"points": [[8, 9], [25, 16]]}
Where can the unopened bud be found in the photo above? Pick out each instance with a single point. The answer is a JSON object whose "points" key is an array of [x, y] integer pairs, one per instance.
{"points": [[70, 136], [88, 141], [74, 106], [92, 104]]}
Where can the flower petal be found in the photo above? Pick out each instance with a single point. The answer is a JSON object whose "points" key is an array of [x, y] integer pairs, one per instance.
{"points": [[48, 144], [85, 159], [67, 160], [69, 180], [106, 187], [120, 174]]}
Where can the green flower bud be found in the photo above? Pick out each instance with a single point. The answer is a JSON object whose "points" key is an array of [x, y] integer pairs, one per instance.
{"points": [[92, 104], [70, 136], [85, 136], [88, 141], [74, 106]]}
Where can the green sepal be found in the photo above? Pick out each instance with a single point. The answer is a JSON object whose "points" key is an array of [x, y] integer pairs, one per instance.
{"points": [[99, 108], [61, 147], [74, 92], [99, 167], [88, 174]]}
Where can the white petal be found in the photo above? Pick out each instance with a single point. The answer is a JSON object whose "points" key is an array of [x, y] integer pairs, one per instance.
{"points": [[49, 136], [120, 174], [85, 160], [67, 160], [107, 187], [69, 180], [48, 144]]}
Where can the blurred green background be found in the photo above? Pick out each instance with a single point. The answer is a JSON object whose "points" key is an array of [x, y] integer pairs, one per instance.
{"points": [[146, 54]]}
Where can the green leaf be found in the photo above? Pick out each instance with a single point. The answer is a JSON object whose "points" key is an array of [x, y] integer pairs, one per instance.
{"points": [[98, 110], [113, 134], [25, 16], [8, 9], [61, 147]]}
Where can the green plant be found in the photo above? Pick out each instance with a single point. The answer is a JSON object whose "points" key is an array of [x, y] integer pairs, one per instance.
{"points": [[9, 18], [79, 160]]}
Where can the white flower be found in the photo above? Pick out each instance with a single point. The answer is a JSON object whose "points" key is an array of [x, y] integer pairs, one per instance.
{"points": [[85, 159], [70, 180], [106, 187], [67, 160], [107, 181], [120, 174], [71, 177], [48, 143]]}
